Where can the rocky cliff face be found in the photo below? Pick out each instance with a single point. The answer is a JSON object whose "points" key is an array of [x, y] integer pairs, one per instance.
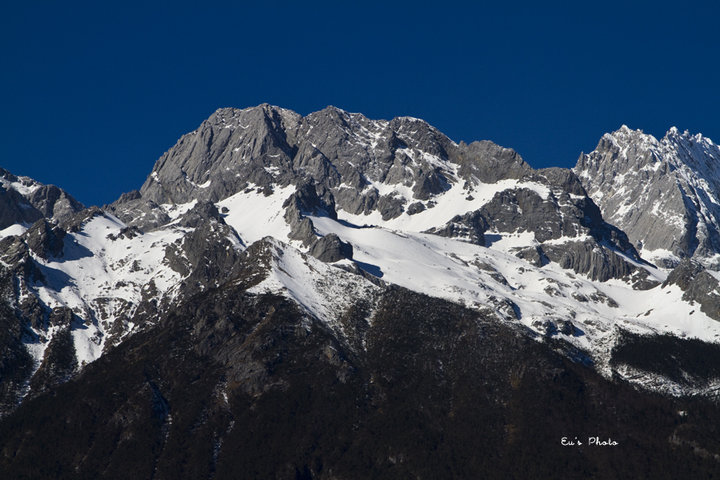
{"points": [[23, 201], [662, 193], [566, 226], [366, 165]]}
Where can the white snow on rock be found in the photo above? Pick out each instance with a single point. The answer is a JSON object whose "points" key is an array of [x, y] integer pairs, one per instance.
{"points": [[101, 275], [25, 186], [254, 215], [467, 274], [16, 229], [455, 201], [322, 290], [463, 273]]}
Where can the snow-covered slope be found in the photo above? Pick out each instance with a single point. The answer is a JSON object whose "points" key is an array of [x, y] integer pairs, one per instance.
{"points": [[83, 291], [324, 291], [549, 300], [103, 275]]}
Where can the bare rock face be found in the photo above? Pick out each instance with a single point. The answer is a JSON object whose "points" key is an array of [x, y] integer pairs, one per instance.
{"points": [[347, 156], [199, 215], [54, 203], [471, 227], [566, 225], [14, 208], [45, 240], [698, 286], [208, 254], [585, 257], [75, 222], [489, 162], [229, 150], [306, 201], [24, 201], [331, 249], [533, 255], [662, 193]]}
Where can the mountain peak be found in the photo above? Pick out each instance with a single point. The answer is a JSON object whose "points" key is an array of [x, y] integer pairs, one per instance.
{"points": [[334, 109], [689, 140], [230, 115], [675, 135], [626, 135], [661, 192], [23, 201], [365, 165]]}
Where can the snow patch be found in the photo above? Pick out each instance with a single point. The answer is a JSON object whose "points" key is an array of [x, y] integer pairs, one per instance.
{"points": [[16, 230], [254, 215], [455, 201]]}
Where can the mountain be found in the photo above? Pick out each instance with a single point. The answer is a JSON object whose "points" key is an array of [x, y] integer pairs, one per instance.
{"points": [[662, 193], [359, 293]]}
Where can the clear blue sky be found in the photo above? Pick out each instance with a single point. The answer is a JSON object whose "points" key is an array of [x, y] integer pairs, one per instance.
{"points": [[94, 92]]}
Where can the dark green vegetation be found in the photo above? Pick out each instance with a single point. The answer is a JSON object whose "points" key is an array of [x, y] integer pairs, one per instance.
{"points": [[233, 385], [684, 361]]}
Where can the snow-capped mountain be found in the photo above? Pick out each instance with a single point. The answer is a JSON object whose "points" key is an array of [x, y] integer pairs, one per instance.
{"points": [[397, 202], [323, 224], [662, 193]]}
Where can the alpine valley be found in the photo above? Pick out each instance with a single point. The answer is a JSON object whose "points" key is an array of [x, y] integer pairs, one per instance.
{"points": [[334, 297]]}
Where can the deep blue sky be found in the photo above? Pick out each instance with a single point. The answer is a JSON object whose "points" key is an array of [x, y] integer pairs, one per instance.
{"points": [[93, 93]]}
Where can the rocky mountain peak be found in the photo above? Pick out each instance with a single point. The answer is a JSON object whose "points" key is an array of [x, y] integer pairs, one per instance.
{"points": [[661, 192], [23, 201], [397, 172], [364, 165], [626, 148], [675, 135], [496, 162]]}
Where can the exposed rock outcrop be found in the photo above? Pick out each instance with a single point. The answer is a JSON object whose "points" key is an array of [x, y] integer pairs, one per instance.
{"points": [[25, 201], [698, 286], [330, 248]]}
